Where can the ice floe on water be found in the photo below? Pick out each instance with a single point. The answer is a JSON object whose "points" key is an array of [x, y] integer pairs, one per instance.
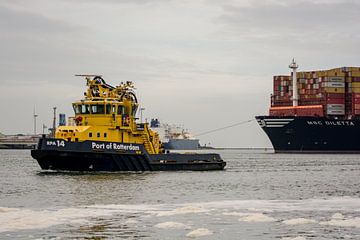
{"points": [[337, 216], [171, 225], [5, 209], [200, 232], [299, 221], [182, 210], [236, 214], [14, 219], [131, 221], [293, 238], [257, 217], [34, 219], [346, 222]]}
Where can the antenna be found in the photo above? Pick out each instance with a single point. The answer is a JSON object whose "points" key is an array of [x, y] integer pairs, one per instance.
{"points": [[54, 123], [294, 67], [88, 75], [35, 116]]}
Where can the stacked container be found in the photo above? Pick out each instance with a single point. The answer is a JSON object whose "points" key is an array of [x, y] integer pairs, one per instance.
{"points": [[336, 90]]}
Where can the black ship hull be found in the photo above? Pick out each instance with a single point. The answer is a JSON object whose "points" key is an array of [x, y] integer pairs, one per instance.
{"points": [[311, 134], [57, 154]]}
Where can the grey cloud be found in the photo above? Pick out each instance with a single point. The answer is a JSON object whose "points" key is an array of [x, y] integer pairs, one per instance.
{"points": [[22, 22], [140, 2], [294, 17]]}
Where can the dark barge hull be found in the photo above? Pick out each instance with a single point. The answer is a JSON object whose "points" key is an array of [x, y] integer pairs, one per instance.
{"points": [[311, 134], [79, 156]]}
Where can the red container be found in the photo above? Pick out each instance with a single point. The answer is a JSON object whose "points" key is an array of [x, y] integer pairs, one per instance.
{"points": [[335, 101], [356, 112], [335, 95], [356, 100], [355, 95], [356, 79], [314, 110], [356, 106], [282, 111]]}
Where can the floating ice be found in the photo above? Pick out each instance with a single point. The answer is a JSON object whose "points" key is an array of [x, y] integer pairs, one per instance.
{"points": [[171, 225], [298, 221], [350, 222], [35, 219], [200, 232], [257, 217], [295, 238], [237, 214], [337, 216], [131, 221], [5, 209], [182, 210]]}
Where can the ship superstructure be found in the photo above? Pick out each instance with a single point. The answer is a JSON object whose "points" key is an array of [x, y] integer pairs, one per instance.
{"points": [[315, 111], [174, 136]]}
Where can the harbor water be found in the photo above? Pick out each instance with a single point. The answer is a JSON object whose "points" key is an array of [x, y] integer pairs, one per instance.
{"points": [[260, 195]]}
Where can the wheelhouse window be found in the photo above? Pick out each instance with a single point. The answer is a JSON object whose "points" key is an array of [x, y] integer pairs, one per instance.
{"points": [[83, 109], [97, 109], [108, 109], [134, 108], [120, 110], [77, 108]]}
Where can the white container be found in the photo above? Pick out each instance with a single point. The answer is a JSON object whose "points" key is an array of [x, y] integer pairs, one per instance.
{"points": [[335, 112], [335, 106], [335, 84], [334, 79]]}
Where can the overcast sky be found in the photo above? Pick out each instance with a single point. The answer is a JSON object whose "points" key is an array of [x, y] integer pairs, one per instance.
{"points": [[204, 64]]}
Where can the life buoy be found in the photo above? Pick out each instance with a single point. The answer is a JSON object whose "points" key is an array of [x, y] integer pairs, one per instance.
{"points": [[127, 120], [78, 119]]}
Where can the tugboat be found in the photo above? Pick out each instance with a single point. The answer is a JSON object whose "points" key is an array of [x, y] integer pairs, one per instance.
{"points": [[107, 137]]}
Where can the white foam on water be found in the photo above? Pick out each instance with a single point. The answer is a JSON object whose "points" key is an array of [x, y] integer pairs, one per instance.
{"points": [[35, 219], [200, 232], [331, 204], [337, 216], [259, 210], [182, 210], [12, 219], [257, 217], [295, 238], [171, 225], [350, 222], [126, 208], [5, 209], [236, 214], [131, 221], [299, 221]]}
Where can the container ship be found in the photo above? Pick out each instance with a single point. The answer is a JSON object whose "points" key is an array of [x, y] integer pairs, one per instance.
{"points": [[314, 111], [174, 137], [106, 136]]}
